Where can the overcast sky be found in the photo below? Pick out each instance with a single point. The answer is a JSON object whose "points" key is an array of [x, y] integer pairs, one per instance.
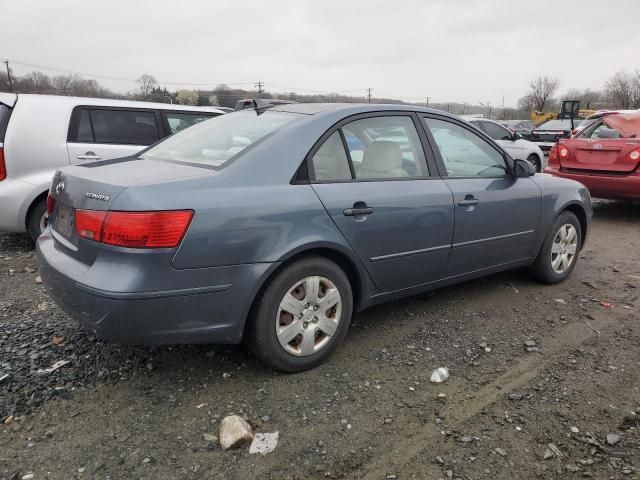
{"points": [[464, 51]]}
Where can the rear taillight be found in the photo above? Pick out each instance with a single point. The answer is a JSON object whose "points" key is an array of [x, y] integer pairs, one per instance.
{"points": [[563, 151], [3, 167], [163, 229], [51, 202], [553, 155], [634, 155]]}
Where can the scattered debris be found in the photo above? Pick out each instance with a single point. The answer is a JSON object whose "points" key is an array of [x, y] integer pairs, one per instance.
{"points": [[613, 438], [591, 327], [501, 451], [554, 450], [439, 375], [606, 304], [54, 367], [560, 301], [264, 443], [575, 430], [234, 432]]}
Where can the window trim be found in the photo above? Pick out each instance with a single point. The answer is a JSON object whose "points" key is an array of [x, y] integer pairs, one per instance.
{"points": [[359, 116], [76, 113], [485, 121], [476, 131]]}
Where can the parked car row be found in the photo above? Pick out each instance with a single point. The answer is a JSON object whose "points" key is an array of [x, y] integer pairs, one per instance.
{"points": [[40, 133]]}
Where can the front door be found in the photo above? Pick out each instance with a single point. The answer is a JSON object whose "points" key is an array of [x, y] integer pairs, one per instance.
{"points": [[496, 214], [391, 207]]}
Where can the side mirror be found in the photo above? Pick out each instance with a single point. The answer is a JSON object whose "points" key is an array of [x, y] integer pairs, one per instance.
{"points": [[516, 136], [522, 168]]}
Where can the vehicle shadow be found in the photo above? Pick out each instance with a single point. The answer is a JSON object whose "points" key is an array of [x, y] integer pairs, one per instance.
{"points": [[609, 210], [15, 243]]}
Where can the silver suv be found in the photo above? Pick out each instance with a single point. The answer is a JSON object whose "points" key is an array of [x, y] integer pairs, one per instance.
{"points": [[41, 133]]}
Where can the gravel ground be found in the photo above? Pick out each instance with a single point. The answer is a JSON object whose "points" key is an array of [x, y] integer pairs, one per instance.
{"points": [[544, 384]]}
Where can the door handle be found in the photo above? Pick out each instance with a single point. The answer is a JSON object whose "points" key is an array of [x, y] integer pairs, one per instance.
{"points": [[469, 201], [89, 156], [358, 209]]}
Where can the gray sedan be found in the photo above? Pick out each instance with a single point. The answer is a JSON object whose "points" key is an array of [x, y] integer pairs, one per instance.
{"points": [[273, 226]]}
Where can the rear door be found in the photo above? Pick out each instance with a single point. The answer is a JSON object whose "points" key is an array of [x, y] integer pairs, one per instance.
{"points": [[385, 197], [102, 133], [602, 149], [496, 214]]}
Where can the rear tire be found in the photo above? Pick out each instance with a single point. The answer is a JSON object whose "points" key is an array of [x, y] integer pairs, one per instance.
{"points": [[37, 221], [294, 342], [556, 261], [535, 161]]}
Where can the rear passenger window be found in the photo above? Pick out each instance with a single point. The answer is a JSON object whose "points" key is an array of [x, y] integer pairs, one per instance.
{"points": [[180, 121], [388, 147], [330, 162], [128, 127]]}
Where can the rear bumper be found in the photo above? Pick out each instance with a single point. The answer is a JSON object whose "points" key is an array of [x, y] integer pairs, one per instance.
{"points": [[212, 309], [623, 187]]}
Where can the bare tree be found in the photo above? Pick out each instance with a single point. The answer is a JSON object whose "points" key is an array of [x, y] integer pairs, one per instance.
{"points": [[623, 90], [540, 93], [589, 99], [146, 83]]}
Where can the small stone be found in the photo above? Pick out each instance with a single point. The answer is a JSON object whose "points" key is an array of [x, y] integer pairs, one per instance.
{"points": [[209, 438], [560, 301], [613, 438], [532, 349], [234, 432], [28, 476], [29, 270], [501, 451], [575, 430], [264, 443], [146, 460], [530, 343], [38, 280], [515, 397], [439, 460], [81, 470], [226, 375], [466, 439], [392, 476]]}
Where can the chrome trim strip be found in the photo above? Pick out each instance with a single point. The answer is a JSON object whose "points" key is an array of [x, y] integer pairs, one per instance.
{"points": [[491, 239], [409, 253]]}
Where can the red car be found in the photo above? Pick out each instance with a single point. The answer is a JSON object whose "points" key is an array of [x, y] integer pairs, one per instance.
{"points": [[605, 157]]}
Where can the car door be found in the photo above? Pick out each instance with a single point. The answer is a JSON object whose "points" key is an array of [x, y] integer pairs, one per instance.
{"points": [[390, 205], [505, 139], [102, 133], [496, 214]]}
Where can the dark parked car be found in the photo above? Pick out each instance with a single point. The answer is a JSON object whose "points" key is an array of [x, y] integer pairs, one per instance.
{"points": [[549, 132], [260, 226], [523, 127]]}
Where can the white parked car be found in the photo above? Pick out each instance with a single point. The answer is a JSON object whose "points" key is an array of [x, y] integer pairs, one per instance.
{"points": [[516, 146], [41, 133]]}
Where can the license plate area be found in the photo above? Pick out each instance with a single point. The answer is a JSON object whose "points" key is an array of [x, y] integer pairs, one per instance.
{"points": [[64, 221]]}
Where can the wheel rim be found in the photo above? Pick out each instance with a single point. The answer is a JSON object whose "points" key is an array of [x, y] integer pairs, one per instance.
{"points": [[308, 316], [44, 221], [564, 248], [533, 160]]}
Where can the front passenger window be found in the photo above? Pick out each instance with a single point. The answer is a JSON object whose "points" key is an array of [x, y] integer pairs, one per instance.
{"points": [[464, 153]]}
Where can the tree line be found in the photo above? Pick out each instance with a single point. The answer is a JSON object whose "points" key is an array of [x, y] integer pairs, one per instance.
{"points": [[621, 91]]}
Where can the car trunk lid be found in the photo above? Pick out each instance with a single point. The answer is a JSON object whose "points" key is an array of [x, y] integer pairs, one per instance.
{"points": [[600, 155], [96, 186]]}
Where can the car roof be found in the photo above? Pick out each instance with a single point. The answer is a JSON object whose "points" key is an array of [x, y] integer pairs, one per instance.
{"points": [[108, 102], [353, 108]]}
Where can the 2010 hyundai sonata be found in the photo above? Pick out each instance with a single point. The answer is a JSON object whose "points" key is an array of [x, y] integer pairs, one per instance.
{"points": [[274, 225]]}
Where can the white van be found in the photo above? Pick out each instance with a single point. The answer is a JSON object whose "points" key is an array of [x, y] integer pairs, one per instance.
{"points": [[40, 133]]}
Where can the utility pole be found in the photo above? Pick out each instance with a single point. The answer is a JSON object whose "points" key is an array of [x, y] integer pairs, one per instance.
{"points": [[6, 62], [369, 95], [426, 101], [464, 106], [260, 86]]}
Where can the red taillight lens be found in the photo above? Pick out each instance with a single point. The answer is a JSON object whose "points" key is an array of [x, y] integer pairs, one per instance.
{"points": [[3, 167], [563, 152], [89, 224], [634, 155], [553, 155], [163, 229], [51, 202]]}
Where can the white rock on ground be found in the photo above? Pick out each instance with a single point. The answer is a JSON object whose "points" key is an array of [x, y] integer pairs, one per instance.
{"points": [[234, 432], [264, 443]]}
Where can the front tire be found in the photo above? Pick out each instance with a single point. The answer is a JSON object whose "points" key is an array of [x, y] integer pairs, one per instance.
{"points": [[38, 219], [535, 161], [559, 253], [301, 316]]}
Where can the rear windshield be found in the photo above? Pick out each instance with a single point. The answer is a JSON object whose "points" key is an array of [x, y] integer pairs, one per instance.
{"points": [[213, 142], [5, 113], [560, 124]]}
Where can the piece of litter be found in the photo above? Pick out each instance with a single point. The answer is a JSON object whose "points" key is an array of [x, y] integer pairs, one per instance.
{"points": [[264, 443], [54, 367], [604, 303], [439, 375], [560, 301], [201, 405]]}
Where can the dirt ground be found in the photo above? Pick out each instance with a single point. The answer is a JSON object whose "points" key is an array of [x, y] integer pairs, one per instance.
{"points": [[370, 412]]}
